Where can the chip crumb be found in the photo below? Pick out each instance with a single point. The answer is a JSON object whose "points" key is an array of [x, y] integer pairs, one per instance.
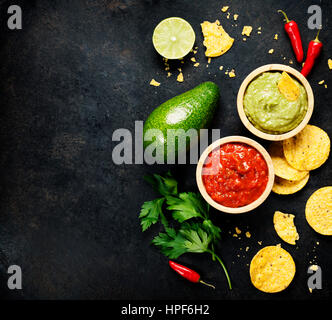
{"points": [[310, 290], [271, 51], [235, 235], [180, 77], [329, 62], [168, 74], [259, 242], [235, 16], [321, 82], [325, 86], [232, 74], [244, 39], [195, 51], [228, 15], [154, 83], [237, 230], [196, 64], [247, 248], [209, 60], [179, 69], [193, 59], [276, 36], [259, 32], [317, 243], [224, 8], [290, 61], [248, 234], [221, 67], [259, 28], [313, 267], [247, 30]]}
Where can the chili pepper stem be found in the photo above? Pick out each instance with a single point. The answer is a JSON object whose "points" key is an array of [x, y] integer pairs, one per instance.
{"points": [[223, 266], [285, 15], [316, 39], [207, 284]]}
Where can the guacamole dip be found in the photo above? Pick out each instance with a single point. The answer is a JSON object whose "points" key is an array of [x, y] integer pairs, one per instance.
{"points": [[268, 109]]}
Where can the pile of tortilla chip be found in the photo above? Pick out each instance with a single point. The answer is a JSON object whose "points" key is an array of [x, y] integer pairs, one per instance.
{"points": [[295, 157]]}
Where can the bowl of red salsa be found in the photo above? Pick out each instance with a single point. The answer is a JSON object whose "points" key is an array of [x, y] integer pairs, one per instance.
{"points": [[235, 174]]}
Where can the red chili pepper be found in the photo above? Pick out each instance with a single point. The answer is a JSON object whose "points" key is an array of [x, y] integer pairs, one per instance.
{"points": [[293, 32], [188, 274], [314, 50]]}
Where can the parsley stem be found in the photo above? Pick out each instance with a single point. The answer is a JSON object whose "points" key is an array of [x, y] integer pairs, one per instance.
{"points": [[223, 266]]}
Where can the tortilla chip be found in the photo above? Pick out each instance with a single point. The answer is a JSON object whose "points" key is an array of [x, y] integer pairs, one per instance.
{"points": [[283, 186], [308, 150], [284, 226], [216, 40], [282, 168], [288, 87], [318, 211], [246, 31], [272, 269]]}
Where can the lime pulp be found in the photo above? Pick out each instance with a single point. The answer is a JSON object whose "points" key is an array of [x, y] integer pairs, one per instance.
{"points": [[173, 38]]}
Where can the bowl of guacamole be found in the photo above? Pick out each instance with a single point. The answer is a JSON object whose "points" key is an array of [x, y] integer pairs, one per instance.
{"points": [[275, 102]]}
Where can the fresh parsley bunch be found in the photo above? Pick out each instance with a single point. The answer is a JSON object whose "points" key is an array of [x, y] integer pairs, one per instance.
{"points": [[195, 233]]}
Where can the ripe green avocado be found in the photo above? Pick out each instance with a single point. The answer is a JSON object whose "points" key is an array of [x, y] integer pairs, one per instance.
{"points": [[193, 109]]}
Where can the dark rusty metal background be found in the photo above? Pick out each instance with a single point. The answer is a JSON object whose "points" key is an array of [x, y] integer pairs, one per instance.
{"points": [[68, 215]]}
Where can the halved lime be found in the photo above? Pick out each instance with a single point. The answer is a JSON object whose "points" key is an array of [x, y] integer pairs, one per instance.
{"points": [[173, 38]]}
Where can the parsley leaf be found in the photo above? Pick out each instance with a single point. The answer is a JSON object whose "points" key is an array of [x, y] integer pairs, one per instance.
{"points": [[150, 213], [190, 238], [164, 185], [186, 206]]}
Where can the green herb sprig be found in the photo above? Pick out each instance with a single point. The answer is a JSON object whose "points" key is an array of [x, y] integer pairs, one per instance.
{"points": [[196, 233]]}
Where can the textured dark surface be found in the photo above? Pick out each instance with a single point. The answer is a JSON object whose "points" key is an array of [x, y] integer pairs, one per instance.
{"points": [[68, 216]]}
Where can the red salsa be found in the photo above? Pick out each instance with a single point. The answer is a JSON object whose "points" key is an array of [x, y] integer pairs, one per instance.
{"points": [[239, 174]]}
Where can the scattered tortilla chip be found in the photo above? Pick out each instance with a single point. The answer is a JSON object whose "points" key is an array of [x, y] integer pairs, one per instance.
{"points": [[180, 77], [224, 9], [288, 87], [246, 30], [329, 62], [318, 211], [308, 150], [276, 36], [248, 234], [285, 228], [281, 167], [235, 17], [154, 83], [216, 40], [196, 64], [272, 269], [271, 51], [193, 59], [232, 74], [321, 82], [237, 230], [283, 186]]}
